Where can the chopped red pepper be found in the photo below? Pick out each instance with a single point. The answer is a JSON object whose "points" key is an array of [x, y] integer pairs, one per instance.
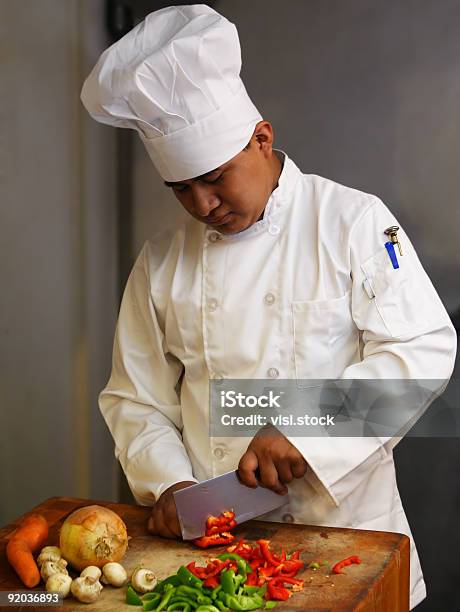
{"points": [[337, 569], [290, 566], [241, 548], [214, 540], [266, 571], [217, 530], [277, 590], [267, 553], [211, 582], [251, 579]]}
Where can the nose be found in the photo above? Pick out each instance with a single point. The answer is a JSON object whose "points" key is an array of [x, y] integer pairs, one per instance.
{"points": [[204, 201]]}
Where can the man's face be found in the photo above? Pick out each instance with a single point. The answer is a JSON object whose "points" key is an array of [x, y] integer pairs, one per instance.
{"points": [[232, 197]]}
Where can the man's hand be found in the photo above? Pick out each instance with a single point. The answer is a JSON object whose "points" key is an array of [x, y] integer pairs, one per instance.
{"points": [[163, 520], [271, 461]]}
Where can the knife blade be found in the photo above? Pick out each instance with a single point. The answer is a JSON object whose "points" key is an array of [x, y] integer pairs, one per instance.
{"points": [[211, 497]]}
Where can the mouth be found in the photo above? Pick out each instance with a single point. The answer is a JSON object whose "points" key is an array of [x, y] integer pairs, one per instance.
{"points": [[219, 220]]}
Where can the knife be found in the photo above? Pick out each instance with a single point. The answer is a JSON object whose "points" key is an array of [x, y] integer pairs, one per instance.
{"points": [[211, 497]]}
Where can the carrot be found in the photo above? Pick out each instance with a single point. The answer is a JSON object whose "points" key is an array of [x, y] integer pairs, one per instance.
{"points": [[28, 537]]}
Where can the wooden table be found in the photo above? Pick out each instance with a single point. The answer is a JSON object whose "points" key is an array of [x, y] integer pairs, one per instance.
{"points": [[379, 584]]}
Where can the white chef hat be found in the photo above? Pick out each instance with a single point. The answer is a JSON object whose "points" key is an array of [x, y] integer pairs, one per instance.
{"points": [[175, 78]]}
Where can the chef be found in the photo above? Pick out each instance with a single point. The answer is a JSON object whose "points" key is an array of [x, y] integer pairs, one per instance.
{"points": [[276, 274]]}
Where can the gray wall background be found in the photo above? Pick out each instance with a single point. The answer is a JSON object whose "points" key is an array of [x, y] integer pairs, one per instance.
{"points": [[365, 92], [58, 265]]}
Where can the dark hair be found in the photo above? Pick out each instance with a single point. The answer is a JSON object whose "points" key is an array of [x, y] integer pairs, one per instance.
{"points": [[247, 146]]}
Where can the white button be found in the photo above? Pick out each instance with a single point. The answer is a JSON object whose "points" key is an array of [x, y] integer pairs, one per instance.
{"points": [[219, 452], [214, 237], [212, 304], [273, 373], [274, 229], [288, 518], [269, 299]]}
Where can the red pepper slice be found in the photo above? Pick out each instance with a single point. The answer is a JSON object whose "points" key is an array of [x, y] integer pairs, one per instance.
{"points": [[277, 592], [290, 566], [267, 553], [214, 540], [337, 569], [284, 579], [266, 571], [220, 521], [251, 579], [199, 572], [211, 582]]}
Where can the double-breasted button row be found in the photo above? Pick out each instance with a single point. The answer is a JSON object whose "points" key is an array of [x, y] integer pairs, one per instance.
{"points": [[219, 452], [214, 237]]}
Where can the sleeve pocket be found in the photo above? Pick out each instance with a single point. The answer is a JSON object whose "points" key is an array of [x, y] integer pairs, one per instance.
{"points": [[393, 291]]}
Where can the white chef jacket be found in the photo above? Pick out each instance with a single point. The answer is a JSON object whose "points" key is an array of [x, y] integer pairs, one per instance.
{"points": [[306, 292]]}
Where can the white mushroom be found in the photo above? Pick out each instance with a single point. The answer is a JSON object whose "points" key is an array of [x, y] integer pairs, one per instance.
{"points": [[114, 574], [59, 583], [53, 567], [143, 580], [86, 589], [92, 571], [49, 553]]}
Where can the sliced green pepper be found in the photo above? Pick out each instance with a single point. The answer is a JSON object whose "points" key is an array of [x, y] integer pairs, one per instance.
{"points": [[271, 603], [221, 605], [189, 591], [203, 600], [227, 580], [241, 564], [174, 580], [241, 602], [185, 607], [150, 604], [168, 593], [207, 609], [151, 596], [215, 591], [251, 590], [187, 578], [184, 600], [132, 598], [235, 557]]}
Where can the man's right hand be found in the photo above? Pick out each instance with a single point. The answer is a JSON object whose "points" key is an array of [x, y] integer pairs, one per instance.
{"points": [[163, 521]]}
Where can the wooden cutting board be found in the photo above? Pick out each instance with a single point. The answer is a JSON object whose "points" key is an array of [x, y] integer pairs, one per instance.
{"points": [[379, 584]]}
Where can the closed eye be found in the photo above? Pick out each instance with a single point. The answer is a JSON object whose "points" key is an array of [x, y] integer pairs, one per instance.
{"points": [[216, 180], [180, 187]]}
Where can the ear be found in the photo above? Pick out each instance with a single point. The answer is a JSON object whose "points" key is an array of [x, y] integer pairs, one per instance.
{"points": [[263, 137]]}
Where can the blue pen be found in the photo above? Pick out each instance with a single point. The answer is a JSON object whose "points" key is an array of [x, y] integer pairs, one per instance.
{"points": [[392, 253]]}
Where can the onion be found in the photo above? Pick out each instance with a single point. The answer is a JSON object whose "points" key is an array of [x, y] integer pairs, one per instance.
{"points": [[93, 535]]}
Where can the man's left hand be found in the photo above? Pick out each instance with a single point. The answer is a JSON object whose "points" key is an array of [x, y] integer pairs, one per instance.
{"points": [[271, 461]]}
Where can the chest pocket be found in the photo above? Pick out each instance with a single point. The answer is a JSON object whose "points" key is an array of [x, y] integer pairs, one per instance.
{"points": [[326, 339]]}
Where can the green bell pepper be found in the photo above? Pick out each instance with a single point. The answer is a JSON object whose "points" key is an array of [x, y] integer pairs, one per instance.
{"points": [[187, 578], [168, 593], [185, 607], [132, 598], [236, 557], [227, 580]]}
